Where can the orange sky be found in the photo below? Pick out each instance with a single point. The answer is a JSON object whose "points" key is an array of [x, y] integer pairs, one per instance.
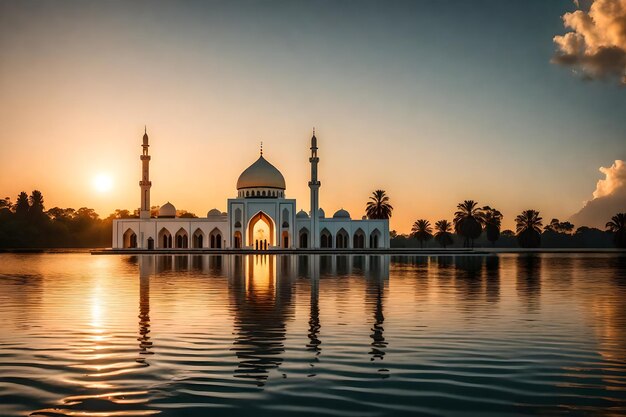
{"points": [[398, 102]]}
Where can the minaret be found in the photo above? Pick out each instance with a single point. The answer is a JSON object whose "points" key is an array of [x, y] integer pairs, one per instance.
{"points": [[314, 185], [145, 182]]}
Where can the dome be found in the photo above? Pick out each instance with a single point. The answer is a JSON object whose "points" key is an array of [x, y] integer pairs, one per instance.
{"points": [[302, 215], [320, 213], [341, 214], [167, 210], [214, 212], [261, 174]]}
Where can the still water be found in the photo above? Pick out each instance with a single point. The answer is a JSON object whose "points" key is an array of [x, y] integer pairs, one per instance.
{"points": [[86, 335]]}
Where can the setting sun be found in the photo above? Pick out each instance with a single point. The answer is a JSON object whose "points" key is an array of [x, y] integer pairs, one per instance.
{"points": [[102, 183]]}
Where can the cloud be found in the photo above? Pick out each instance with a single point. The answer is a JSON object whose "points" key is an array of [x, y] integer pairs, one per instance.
{"points": [[596, 46], [608, 199]]}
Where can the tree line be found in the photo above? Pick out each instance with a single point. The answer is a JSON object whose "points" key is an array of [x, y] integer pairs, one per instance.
{"points": [[472, 221], [26, 223]]}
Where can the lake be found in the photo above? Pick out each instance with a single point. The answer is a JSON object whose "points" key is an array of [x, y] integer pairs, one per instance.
{"points": [[352, 335]]}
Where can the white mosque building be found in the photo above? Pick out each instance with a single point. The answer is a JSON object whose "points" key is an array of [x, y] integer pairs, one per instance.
{"points": [[260, 217]]}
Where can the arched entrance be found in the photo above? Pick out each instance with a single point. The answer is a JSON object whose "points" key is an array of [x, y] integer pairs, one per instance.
{"points": [[237, 240], [182, 240], [165, 238], [261, 231], [374, 239], [130, 239], [198, 238], [342, 239], [358, 241], [326, 239], [215, 239], [304, 238]]}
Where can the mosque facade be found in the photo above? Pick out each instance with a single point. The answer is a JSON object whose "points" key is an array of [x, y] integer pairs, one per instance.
{"points": [[260, 217]]}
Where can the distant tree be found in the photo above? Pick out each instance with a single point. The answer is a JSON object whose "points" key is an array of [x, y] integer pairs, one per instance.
{"points": [[443, 233], [21, 204], [422, 231], [36, 202], [529, 229], [5, 203], [378, 207], [468, 222], [559, 227], [492, 219], [154, 211], [617, 226], [121, 214], [61, 214], [185, 214], [393, 234], [85, 213], [507, 233]]}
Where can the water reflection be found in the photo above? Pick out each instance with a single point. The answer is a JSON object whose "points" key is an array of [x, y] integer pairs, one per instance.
{"points": [[314, 311], [244, 335], [529, 281], [374, 298], [261, 301], [145, 344]]}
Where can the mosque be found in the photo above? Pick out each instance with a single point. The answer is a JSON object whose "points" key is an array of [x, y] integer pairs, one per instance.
{"points": [[260, 217]]}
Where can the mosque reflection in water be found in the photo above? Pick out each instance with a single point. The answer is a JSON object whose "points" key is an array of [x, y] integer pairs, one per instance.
{"points": [[261, 290]]}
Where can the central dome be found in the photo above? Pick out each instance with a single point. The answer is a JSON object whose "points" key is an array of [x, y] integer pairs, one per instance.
{"points": [[261, 174]]}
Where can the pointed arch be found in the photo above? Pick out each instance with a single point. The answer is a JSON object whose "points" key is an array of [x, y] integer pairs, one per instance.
{"points": [[198, 239], [164, 239], [358, 239], [326, 239], [285, 218], [237, 217], [237, 240], [215, 238], [182, 239], [303, 238], [130, 239], [341, 239], [375, 239], [261, 238]]}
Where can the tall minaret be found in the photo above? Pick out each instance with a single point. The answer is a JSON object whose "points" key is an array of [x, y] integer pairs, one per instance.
{"points": [[145, 182], [314, 185]]}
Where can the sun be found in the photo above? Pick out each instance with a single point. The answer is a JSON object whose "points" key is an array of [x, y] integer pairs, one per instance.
{"points": [[102, 183]]}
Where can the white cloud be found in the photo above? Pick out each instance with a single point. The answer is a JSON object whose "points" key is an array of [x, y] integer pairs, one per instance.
{"points": [[608, 199], [596, 46]]}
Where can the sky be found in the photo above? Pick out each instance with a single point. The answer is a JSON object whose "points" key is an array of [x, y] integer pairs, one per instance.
{"points": [[434, 102]]}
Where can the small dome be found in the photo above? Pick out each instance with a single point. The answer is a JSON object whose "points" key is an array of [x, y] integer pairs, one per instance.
{"points": [[320, 213], [261, 174], [302, 215], [167, 210], [341, 214], [214, 212]]}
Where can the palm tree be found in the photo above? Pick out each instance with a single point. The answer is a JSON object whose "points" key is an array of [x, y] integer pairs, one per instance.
{"points": [[422, 231], [21, 204], [468, 222], [529, 229], [36, 202], [443, 234], [617, 225], [378, 207], [492, 219]]}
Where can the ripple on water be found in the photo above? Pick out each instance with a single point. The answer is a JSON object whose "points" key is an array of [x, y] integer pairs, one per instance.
{"points": [[325, 335]]}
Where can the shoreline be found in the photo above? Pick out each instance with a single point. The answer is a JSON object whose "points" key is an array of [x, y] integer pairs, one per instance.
{"points": [[391, 251]]}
